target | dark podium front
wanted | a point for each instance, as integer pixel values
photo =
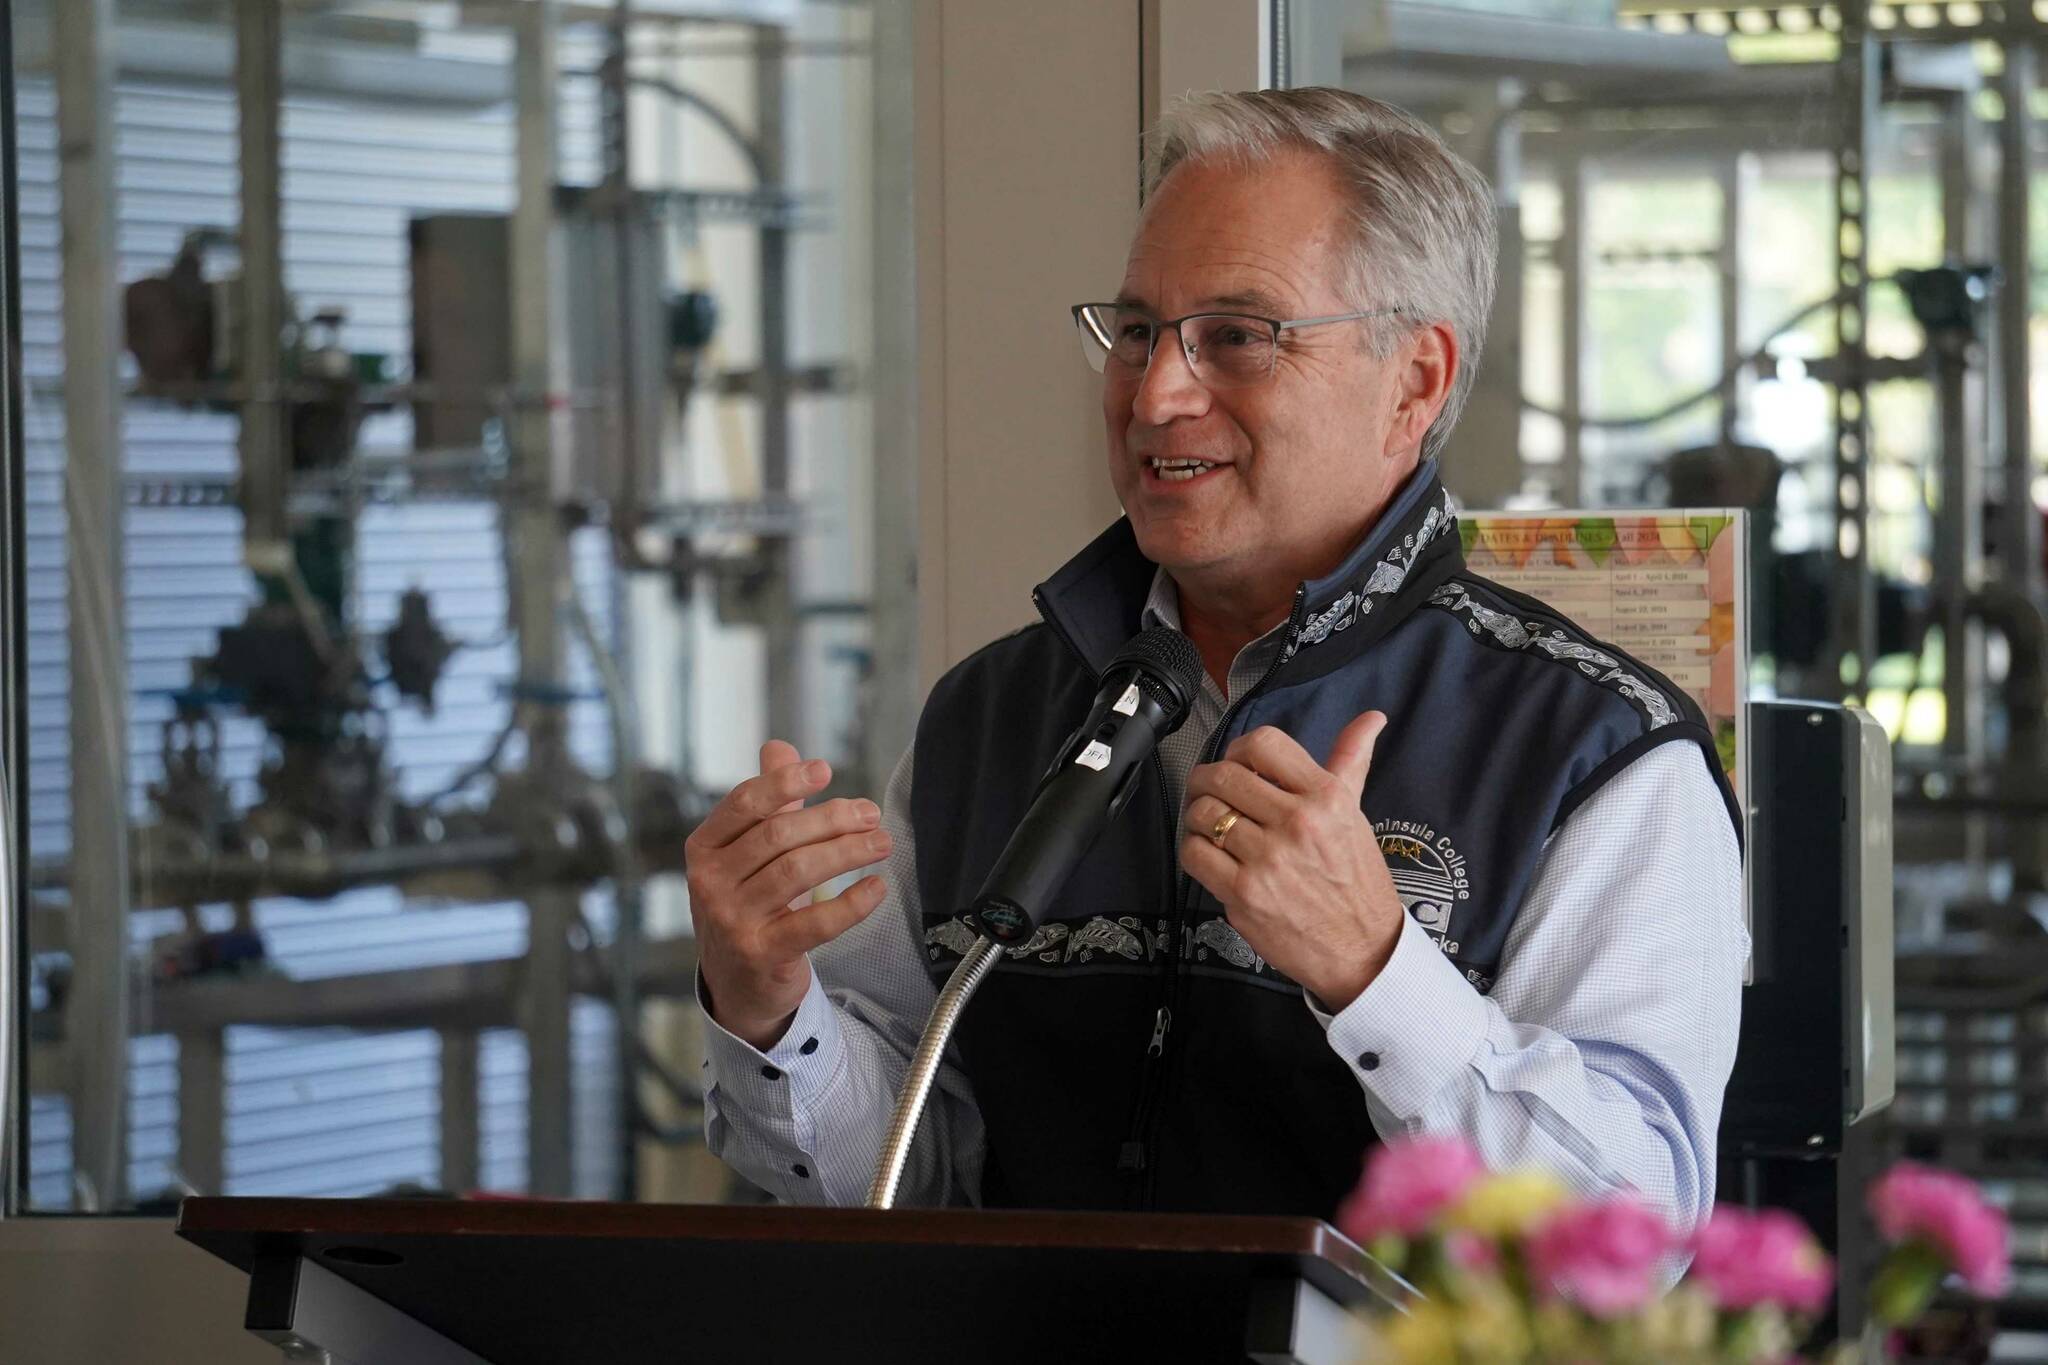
(449, 1282)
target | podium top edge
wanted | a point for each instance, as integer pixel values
(218, 1223)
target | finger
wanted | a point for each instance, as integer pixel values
(798, 871)
(757, 798)
(793, 827)
(1243, 841)
(1242, 789)
(816, 925)
(780, 753)
(1276, 756)
(1351, 756)
(1211, 866)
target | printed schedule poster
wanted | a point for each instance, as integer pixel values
(1664, 587)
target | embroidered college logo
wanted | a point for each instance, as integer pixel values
(1429, 875)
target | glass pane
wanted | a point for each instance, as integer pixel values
(1680, 189)
(378, 681)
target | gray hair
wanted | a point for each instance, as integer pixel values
(1425, 238)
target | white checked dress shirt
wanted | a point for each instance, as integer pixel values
(1601, 1053)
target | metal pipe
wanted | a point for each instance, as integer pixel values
(231, 876)
(1853, 605)
(716, 116)
(924, 1069)
(784, 655)
(544, 1007)
(1958, 540)
(1279, 45)
(537, 562)
(627, 504)
(13, 678)
(639, 405)
(1959, 524)
(178, 879)
(96, 1016)
(1997, 802)
(13, 999)
(537, 570)
(1734, 174)
(2019, 534)
(1571, 264)
(202, 1110)
(259, 99)
(629, 880)
(461, 1145)
(2017, 616)
(315, 876)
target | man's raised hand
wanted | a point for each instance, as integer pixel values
(1299, 871)
(752, 866)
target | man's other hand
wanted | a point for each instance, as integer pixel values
(1300, 872)
(752, 866)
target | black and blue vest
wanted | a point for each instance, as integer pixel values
(1503, 719)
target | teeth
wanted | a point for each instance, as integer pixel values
(1179, 471)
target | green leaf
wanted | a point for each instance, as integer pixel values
(1597, 537)
(1704, 529)
(1906, 1282)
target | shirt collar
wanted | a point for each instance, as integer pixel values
(1100, 595)
(1162, 608)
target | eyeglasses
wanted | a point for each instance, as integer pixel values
(1223, 350)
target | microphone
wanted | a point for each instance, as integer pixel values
(1144, 696)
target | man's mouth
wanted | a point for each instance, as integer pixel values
(1179, 470)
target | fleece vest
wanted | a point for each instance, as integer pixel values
(1136, 1052)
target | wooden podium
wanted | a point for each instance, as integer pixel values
(454, 1282)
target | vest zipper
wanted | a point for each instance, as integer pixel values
(1132, 1156)
(1161, 1022)
(1161, 1069)
(1139, 1154)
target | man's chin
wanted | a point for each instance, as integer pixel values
(1179, 548)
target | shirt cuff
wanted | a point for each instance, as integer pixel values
(1410, 1032)
(793, 1071)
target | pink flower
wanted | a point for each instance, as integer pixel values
(1470, 1251)
(1406, 1184)
(1745, 1259)
(1602, 1256)
(1915, 1202)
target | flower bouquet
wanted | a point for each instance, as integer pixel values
(1512, 1268)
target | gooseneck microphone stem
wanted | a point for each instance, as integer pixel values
(924, 1068)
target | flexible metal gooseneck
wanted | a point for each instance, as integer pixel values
(924, 1068)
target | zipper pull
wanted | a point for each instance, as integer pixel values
(1160, 1024)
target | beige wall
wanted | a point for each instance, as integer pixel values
(1028, 180)
(1195, 45)
(1030, 120)
(118, 1291)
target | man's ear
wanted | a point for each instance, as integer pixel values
(1428, 362)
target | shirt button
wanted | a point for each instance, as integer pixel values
(810, 1046)
(771, 1073)
(1368, 1061)
(803, 1172)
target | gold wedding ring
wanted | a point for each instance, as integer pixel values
(1223, 826)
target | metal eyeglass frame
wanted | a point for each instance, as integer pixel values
(1160, 325)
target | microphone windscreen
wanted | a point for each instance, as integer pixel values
(1166, 656)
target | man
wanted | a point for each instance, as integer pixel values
(1246, 983)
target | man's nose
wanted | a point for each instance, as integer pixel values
(1168, 387)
